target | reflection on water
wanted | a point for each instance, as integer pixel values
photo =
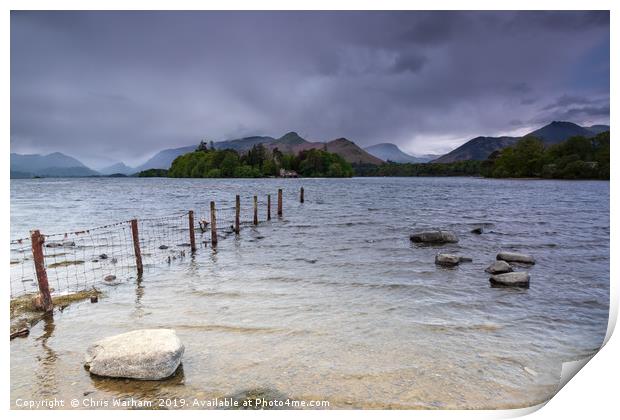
(333, 302)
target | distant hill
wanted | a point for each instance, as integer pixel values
(427, 158)
(391, 152)
(480, 148)
(351, 152)
(292, 143)
(558, 131)
(598, 129)
(163, 159)
(117, 168)
(243, 144)
(52, 165)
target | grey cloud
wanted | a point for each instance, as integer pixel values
(566, 100)
(123, 85)
(409, 63)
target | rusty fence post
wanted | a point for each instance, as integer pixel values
(301, 195)
(237, 213)
(37, 240)
(136, 246)
(255, 210)
(268, 206)
(192, 234)
(213, 225)
(280, 202)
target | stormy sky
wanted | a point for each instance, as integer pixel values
(111, 86)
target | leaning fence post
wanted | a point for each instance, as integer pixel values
(192, 236)
(268, 206)
(37, 240)
(237, 213)
(213, 225)
(255, 210)
(301, 195)
(280, 202)
(136, 245)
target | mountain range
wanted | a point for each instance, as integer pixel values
(53, 165)
(480, 148)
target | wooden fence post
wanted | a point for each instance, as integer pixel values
(37, 240)
(268, 206)
(280, 202)
(301, 195)
(255, 210)
(192, 236)
(237, 213)
(136, 246)
(213, 225)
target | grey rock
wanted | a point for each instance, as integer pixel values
(447, 260)
(434, 237)
(141, 354)
(103, 256)
(516, 279)
(499, 267)
(477, 231)
(163, 247)
(516, 257)
(109, 277)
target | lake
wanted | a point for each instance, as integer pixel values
(332, 301)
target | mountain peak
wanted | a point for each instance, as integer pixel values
(291, 138)
(558, 131)
(341, 140)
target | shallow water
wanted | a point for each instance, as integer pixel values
(332, 301)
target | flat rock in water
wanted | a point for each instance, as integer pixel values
(142, 354)
(447, 260)
(499, 267)
(517, 279)
(516, 257)
(434, 237)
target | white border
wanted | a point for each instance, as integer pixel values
(593, 393)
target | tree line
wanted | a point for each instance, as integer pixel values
(259, 161)
(575, 158)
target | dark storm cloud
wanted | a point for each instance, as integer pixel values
(122, 85)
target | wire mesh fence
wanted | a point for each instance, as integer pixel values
(79, 260)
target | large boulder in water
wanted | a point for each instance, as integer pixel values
(499, 267)
(434, 237)
(517, 279)
(516, 257)
(141, 354)
(447, 260)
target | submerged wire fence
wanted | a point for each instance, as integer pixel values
(76, 261)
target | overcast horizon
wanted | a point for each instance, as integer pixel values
(120, 86)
